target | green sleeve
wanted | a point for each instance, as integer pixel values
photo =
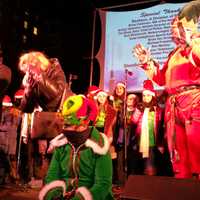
(54, 168)
(103, 177)
(101, 189)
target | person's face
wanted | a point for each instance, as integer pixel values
(119, 90)
(180, 35)
(130, 100)
(147, 98)
(101, 98)
(17, 102)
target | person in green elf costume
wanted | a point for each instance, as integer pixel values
(81, 166)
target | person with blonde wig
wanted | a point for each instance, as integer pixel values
(44, 83)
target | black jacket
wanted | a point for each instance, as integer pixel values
(47, 92)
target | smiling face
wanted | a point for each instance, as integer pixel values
(131, 100)
(120, 90)
(102, 97)
(147, 98)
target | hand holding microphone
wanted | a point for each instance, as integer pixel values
(32, 76)
(35, 72)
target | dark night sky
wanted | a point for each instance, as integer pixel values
(65, 31)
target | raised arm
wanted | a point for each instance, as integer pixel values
(148, 64)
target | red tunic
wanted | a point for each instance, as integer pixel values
(181, 77)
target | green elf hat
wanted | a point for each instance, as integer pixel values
(78, 110)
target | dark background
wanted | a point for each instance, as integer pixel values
(65, 30)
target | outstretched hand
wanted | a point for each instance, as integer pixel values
(141, 53)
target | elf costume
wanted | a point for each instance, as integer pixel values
(106, 115)
(81, 166)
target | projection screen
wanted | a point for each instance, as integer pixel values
(121, 31)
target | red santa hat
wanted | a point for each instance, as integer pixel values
(121, 84)
(93, 89)
(19, 94)
(131, 95)
(7, 101)
(148, 88)
(101, 92)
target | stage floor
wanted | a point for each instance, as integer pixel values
(14, 192)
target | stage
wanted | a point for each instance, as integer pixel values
(137, 187)
(24, 192)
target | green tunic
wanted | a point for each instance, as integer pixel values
(88, 169)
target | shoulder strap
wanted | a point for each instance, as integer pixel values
(66, 93)
(63, 98)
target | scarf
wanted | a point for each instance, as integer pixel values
(144, 138)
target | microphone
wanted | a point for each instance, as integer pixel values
(127, 71)
(130, 65)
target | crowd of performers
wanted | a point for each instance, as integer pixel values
(106, 135)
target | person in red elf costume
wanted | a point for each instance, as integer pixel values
(181, 77)
(106, 115)
(106, 119)
(91, 94)
(92, 91)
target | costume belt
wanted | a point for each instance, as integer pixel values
(178, 90)
(172, 102)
